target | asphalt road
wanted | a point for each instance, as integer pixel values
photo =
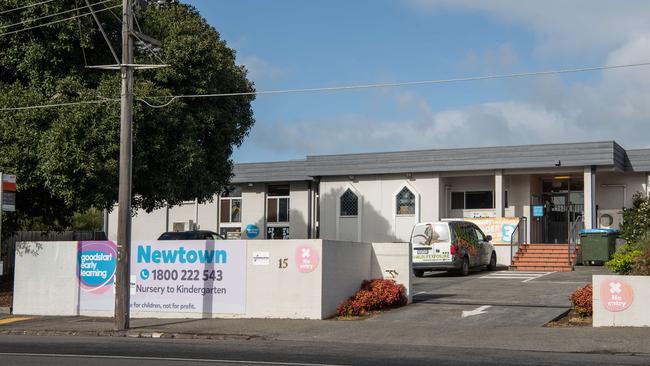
(492, 299)
(101, 351)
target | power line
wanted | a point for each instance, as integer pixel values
(22, 22)
(26, 6)
(344, 87)
(408, 83)
(145, 43)
(56, 21)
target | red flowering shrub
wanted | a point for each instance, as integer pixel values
(582, 301)
(374, 295)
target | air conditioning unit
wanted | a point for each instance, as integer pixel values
(610, 219)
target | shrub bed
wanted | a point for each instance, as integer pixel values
(582, 301)
(634, 257)
(376, 294)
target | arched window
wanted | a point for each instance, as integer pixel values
(349, 204)
(405, 202)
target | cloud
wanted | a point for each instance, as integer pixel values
(560, 25)
(616, 107)
(260, 69)
(503, 57)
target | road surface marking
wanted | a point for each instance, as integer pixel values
(478, 311)
(537, 277)
(14, 319)
(173, 359)
(510, 275)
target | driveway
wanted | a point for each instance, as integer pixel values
(492, 299)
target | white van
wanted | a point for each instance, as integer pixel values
(453, 245)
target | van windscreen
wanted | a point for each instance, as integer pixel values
(427, 234)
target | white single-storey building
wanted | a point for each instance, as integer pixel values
(377, 197)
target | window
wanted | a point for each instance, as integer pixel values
(465, 234)
(479, 199)
(457, 200)
(427, 234)
(230, 208)
(405, 202)
(479, 234)
(472, 200)
(349, 204)
(277, 204)
(277, 232)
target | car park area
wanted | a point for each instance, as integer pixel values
(491, 299)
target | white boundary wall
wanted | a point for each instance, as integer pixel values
(621, 301)
(46, 280)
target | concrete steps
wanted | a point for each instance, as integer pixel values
(543, 257)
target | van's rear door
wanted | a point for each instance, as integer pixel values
(431, 243)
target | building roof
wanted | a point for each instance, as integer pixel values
(607, 154)
(638, 160)
(282, 171)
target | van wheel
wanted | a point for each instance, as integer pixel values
(493, 262)
(418, 272)
(464, 268)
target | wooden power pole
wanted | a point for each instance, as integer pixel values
(122, 275)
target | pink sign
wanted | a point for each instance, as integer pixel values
(616, 295)
(306, 258)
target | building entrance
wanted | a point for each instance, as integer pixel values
(563, 200)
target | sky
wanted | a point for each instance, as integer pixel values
(287, 44)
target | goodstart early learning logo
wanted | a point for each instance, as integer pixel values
(96, 270)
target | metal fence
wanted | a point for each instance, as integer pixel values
(8, 248)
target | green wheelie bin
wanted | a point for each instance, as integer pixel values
(597, 245)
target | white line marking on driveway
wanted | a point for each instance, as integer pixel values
(478, 311)
(525, 276)
(540, 276)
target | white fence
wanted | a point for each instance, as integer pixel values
(296, 279)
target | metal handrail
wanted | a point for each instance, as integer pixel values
(574, 239)
(516, 238)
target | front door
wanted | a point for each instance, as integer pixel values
(563, 202)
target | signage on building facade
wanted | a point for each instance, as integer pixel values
(96, 273)
(196, 276)
(500, 228)
(538, 210)
(252, 231)
(616, 295)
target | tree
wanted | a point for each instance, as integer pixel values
(66, 158)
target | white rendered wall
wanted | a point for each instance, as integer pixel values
(378, 220)
(345, 266)
(274, 292)
(299, 210)
(151, 225)
(45, 278)
(393, 261)
(637, 289)
(628, 183)
(253, 208)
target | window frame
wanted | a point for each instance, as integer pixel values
(277, 210)
(464, 192)
(341, 203)
(230, 205)
(415, 202)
